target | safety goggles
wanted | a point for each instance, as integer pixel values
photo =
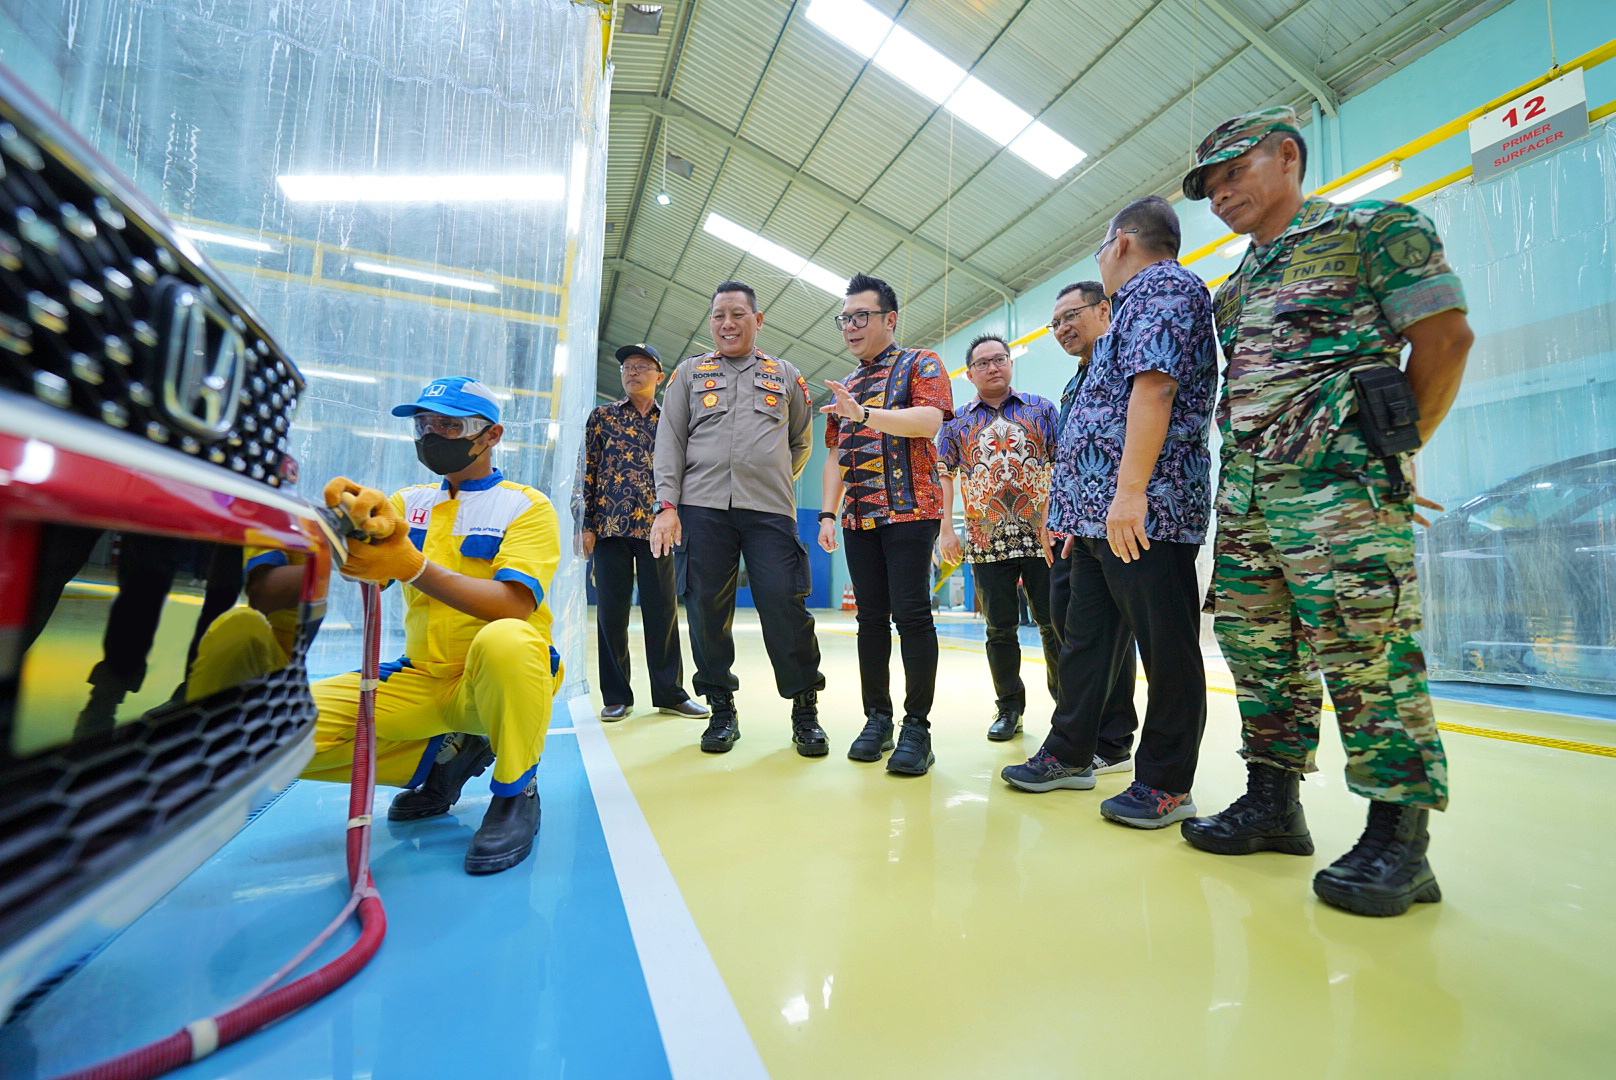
(449, 427)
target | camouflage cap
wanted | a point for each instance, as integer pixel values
(1234, 137)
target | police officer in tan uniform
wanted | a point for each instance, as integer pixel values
(732, 440)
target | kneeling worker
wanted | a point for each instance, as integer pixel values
(474, 555)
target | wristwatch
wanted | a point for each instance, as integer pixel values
(827, 515)
(665, 505)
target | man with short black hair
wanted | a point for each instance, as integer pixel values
(732, 440)
(617, 501)
(1132, 494)
(1082, 314)
(879, 430)
(999, 449)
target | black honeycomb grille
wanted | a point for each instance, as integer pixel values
(73, 816)
(92, 319)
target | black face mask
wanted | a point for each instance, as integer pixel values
(444, 456)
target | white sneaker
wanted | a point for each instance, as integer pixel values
(1103, 765)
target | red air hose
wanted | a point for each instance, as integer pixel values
(201, 1037)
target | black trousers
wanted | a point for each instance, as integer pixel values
(777, 565)
(891, 572)
(996, 589)
(618, 561)
(1154, 599)
(687, 597)
(1119, 719)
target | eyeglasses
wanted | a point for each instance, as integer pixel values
(1002, 360)
(858, 320)
(640, 369)
(1070, 315)
(1108, 240)
(449, 427)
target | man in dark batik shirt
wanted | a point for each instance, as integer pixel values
(618, 504)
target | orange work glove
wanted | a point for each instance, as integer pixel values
(389, 555)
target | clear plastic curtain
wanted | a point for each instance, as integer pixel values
(207, 107)
(1519, 574)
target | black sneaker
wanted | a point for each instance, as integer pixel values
(806, 733)
(460, 757)
(724, 729)
(874, 740)
(913, 755)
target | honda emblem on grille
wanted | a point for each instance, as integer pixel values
(204, 360)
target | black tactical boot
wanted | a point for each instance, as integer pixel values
(724, 727)
(805, 729)
(1006, 725)
(913, 755)
(1386, 872)
(507, 832)
(1268, 817)
(874, 740)
(460, 757)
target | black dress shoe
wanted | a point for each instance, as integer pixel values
(507, 832)
(724, 729)
(614, 712)
(687, 708)
(1006, 725)
(460, 758)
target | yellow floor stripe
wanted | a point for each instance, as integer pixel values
(1457, 729)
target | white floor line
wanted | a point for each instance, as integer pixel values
(562, 731)
(702, 1031)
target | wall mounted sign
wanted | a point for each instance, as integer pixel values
(1536, 123)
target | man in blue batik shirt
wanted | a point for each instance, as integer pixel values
(1132, 491)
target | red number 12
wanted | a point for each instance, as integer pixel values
(1534, 109)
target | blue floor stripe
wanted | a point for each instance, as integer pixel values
(531, 972)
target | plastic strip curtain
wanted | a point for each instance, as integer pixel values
(207, 107)
(1519, 574)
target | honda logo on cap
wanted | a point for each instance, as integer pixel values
(204, 360)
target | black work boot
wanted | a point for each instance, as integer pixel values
(460, 757)
(723, 727)
(1006, 725)
(506, 834)
(874, 740)
(913, 755)
(1386, 872)
(1268, 817)
(805, 729)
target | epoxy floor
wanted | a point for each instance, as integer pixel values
(761, 914)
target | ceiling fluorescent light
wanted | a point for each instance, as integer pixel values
(418, 275)
(770, 252)
(1374, 181)
(339, 376)
(527, 187)
(1043, 149)
(856, 25)
(919, 66)
(1235, 247)
(209, 237)
(851, 23)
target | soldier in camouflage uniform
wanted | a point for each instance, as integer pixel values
(1314, 557)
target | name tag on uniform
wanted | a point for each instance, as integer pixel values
(1328, 256)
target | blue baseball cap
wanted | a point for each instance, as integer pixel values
(455, 395)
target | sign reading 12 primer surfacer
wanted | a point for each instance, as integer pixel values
(1536, 123)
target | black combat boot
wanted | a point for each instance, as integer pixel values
(460, 757)
(1006, 725)
(1386, 872)
(874, 740)
(724, 727)
(1268, 817)
(805, 729)
(506, 834)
